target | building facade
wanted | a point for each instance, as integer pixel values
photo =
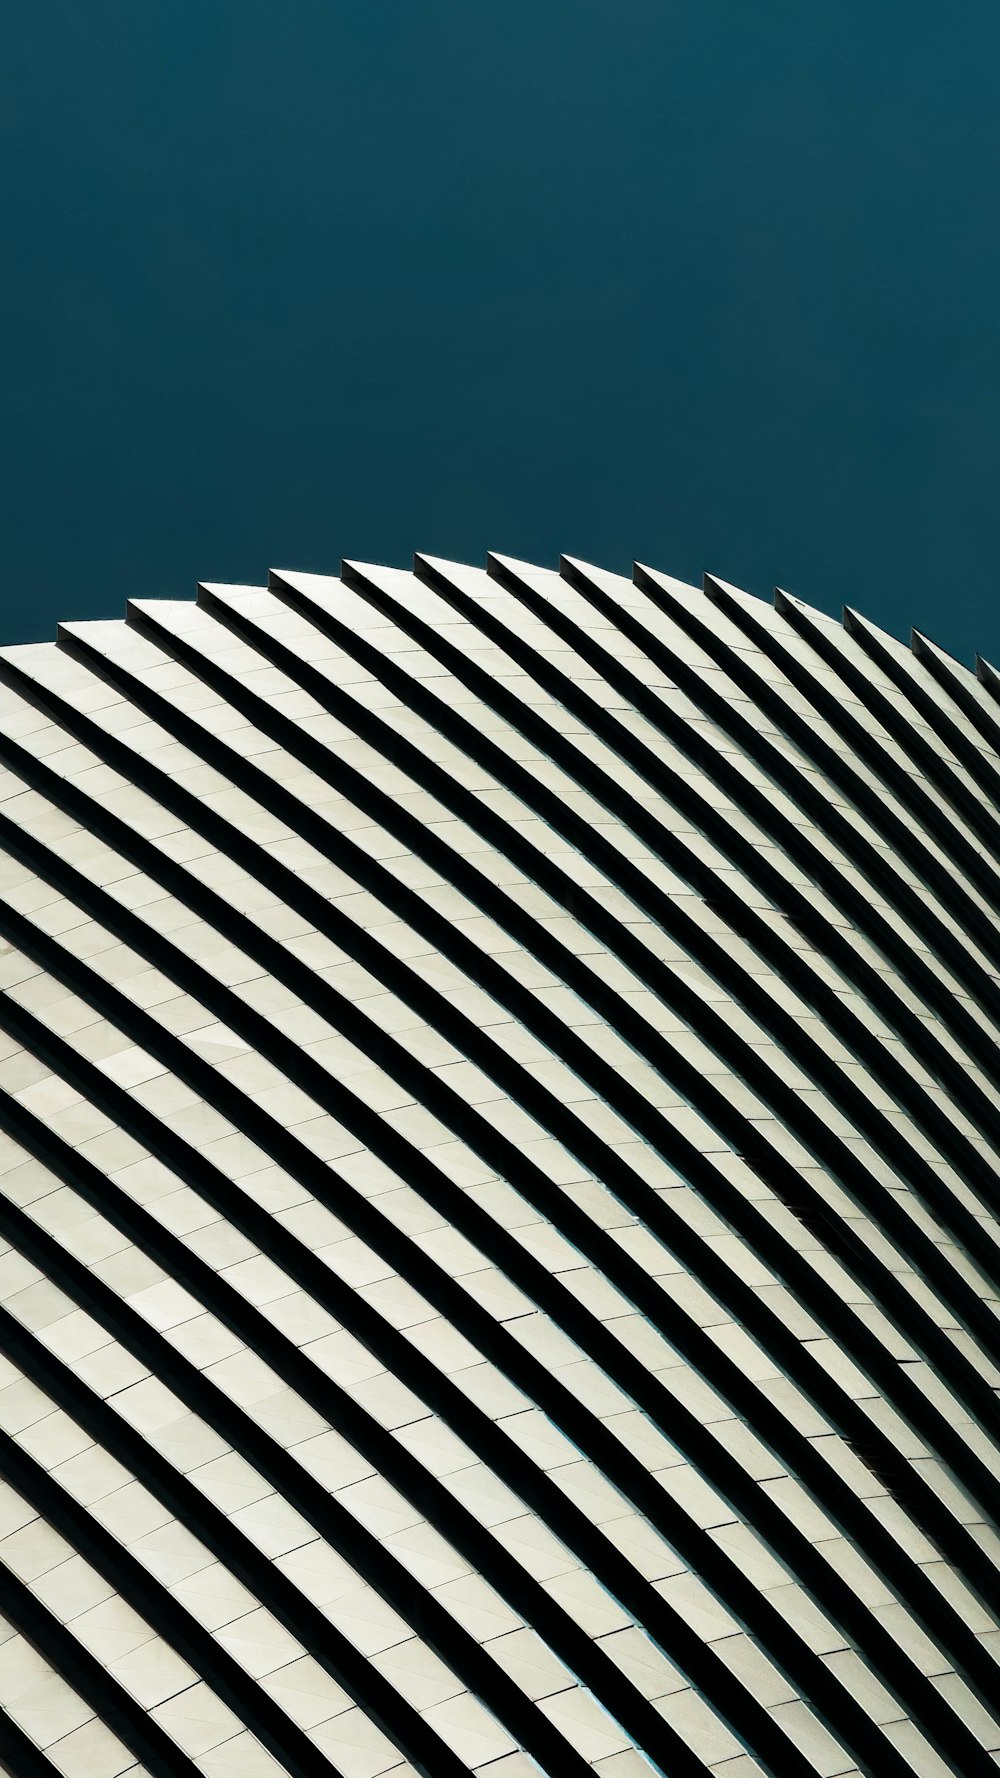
(499, 1178)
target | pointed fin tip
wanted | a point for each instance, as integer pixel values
(515, 562)
(787, 605)
(925, 648)
(426, 555)
(646, 577)
(502, 567)
(657, 585)
(575, 571)
(224, 586)
(437, 573)
(364, 569)
(716, 580)
(878, 643)
(142, 603)
(432, 572)
(510, 571)
(362, 566)
(725, 591)
(353, 575)
(496, 568)
(579, 568)
(354, 564)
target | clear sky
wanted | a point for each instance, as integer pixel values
(712, 283)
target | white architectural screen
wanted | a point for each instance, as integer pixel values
(499, 1178)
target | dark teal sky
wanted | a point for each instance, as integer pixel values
(713, 283)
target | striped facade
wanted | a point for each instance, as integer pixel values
(498, 1187)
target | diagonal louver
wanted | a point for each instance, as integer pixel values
(499, 1147)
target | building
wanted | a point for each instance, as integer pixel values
(499, 1106)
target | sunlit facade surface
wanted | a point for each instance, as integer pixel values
(498, 1186)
